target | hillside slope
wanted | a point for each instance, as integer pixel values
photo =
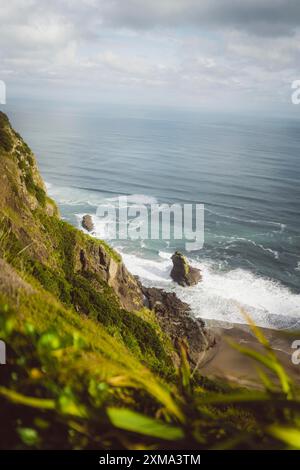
(88, 365)
(81, 272)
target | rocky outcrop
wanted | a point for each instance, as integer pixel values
(182, 272)
(94, 258)
(68, 262)
(87, 223)
(176, 320)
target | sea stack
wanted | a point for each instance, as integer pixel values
(87, 223)
(182, 272)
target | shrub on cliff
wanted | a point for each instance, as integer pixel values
(6, 142)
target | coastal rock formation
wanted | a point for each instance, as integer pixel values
(176, 320)
(87, 223)
(80, 272)
(101, 260)
(182, 272)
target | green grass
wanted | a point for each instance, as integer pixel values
(68, 364)
(33, 188)
(70, 384)
(6, 142)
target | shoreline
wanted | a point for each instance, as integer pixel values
(217, 358)
(228, 363)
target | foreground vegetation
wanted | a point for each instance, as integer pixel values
(69, 384)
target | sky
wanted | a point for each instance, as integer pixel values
(217, 54)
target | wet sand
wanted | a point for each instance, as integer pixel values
(228, 363)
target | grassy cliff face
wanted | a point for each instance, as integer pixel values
(71, 314)
(87, 365)
(84, 274)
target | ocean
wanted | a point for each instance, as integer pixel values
(244, 169)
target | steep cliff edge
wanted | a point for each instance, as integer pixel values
(72, 317)
(82, 272)
(34, 225)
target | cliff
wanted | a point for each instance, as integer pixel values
(34, 226)
(94, 359)
(82, 272)
(71, 314)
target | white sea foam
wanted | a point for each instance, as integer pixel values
(136, 199)
(73, 196)
(221, 295)
(151, 271)
(271, 223)
(231, 241)
(76, 196)
(102, 228)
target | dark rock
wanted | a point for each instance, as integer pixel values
(87, 223)
(182, 272)
(176, 320)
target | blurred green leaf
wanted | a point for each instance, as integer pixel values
(135, 422)
(256, 330)
(49, 341)
(288, 435)
(163, 395)
(78, 340)
(18, 398)
(265, 379)
(29, 328)
(185, 370)
(278, 369)
(28, 436)
(7, 325)
(269, 362)
(67, 404)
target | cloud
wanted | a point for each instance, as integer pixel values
(175, 50)
(266, 17)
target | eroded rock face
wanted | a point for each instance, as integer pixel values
(95, 259)
(87, 223)
(182, 272)
(177, 322)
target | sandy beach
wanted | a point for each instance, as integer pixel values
(226, 362)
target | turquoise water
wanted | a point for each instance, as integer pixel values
(246, 171)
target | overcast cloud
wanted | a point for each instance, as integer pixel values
(201, 53)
